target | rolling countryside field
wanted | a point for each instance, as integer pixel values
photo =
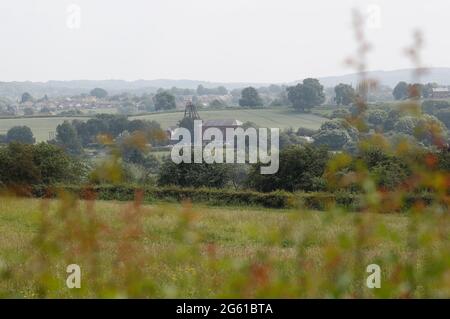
(40, 126)
(281, 118)
(178, 250)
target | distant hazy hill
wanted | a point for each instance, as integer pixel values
(391, 78)
(65, 88)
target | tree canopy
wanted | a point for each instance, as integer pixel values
(301, 168)
(26, 97)
(401, 91)
(99, 93)
(38, 164)
(345, 94)
(20, 134)
(164, 101)
(250, 97)
(306, 95)
(67, 137)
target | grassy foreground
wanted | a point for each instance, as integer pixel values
(173, 250)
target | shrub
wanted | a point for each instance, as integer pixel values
(278, 199)
(38, 164)
(300, 169)
(336, 134)
(377, 117)
(193, 174)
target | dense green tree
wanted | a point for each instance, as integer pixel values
(164, 101)
(426, 129)
(344, 94)
(43, 163)
(56, 166)
(250, 97)
(114, 125)
(301, 168)
(20, 134)
(26, 97)
(388, 171)
(67, 137)
(133, 147)
(392, 118)
(99, 93)
(401, 91)
(337, 134)
(377, 117)
(193, 174)
(17, 165)
(89, 130)
(306, 95)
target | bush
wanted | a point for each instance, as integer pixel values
(193, 174)
(377, 117)
(277, 199)
(43, 163)
(336, 134)
(301, 168)
(426, 129)
(340, 114)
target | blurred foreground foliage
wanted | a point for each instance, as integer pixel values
(188, 251)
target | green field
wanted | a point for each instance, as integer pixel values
(172, 250)
(276, 118)
(281, 118)
(41, 127)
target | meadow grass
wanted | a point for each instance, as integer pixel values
(184, 251)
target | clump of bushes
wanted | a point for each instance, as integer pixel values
(277, 199)
(43, 163)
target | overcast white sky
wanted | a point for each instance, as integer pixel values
(214, 40)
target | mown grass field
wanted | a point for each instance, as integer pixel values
(173, 250)
(276, 118)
